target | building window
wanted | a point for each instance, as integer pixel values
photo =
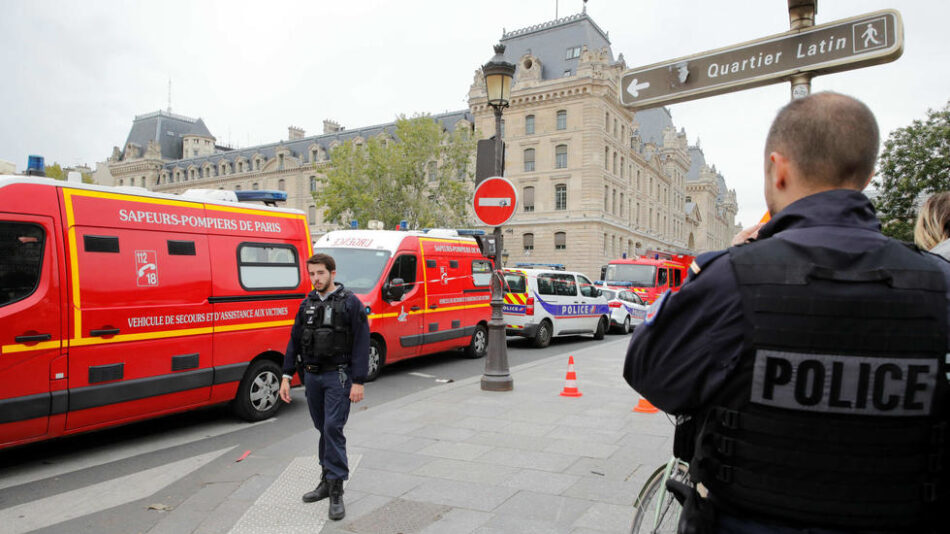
(527, 241)
(573, 52)
(606, 193)
(606, 158)
(606, 120)
(529, 160)
(313, 184)
(562, 119)
(121, 182)
(280, 162)
(621, 204)
(614, 201)
(560, 197)
(560, 157)
(615, 163)
(567, 72)
(529, 125)
(237, 188)
(313, 155)
(254, 186)
(560, 240)
(312, 214)
(528, 196)
(281, 185)
(605, 243)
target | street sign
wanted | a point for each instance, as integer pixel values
(494, 201)
(846, 44)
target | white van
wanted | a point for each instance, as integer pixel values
(542, 303)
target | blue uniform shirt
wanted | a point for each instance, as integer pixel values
(684, 355)
(359, 359)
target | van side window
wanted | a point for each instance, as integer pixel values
(21, 260)
(677, 277)
(661, 278)
(587, 288)
(481, 272)
(516, 283)
(404, 267)
(565, 285)
(268, 266)
(546, 284)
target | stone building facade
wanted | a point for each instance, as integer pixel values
(595, 181)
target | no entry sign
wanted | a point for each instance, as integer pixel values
(494, 201)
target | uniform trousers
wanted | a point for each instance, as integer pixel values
(328, 397)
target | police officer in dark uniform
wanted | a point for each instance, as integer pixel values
(811, 361)
(329, 346)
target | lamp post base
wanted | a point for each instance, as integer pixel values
(497, 383)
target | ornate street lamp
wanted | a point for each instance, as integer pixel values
(498, 74)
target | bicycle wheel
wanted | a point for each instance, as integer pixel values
(658, 512)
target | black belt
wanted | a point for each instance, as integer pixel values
(316, 368)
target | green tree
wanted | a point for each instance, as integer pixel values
(421, 176)
(914, 164)
(55, 171)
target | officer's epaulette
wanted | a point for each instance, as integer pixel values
(703, 260)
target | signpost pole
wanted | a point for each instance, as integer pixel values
(801, 14)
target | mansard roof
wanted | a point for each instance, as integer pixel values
(549, 42)
(697, 161)
(651, 123)
(166, 128)
(299, 147)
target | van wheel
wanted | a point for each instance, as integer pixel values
(377, 358)
(601, 328)
(479, 344)
(542, 338)
(257, 396)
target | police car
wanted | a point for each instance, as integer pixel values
(542, 303)
(627, 309)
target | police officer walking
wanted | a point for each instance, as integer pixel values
(811, 360)
(329, 346)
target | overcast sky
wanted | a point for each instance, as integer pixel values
(74, 74)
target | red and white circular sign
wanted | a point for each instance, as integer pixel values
(495, 201)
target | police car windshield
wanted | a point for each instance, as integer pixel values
(637, 275)
(357, 269)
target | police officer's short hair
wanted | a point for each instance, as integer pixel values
(832, 139)
(323, 259)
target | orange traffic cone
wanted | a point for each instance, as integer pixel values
(644, 406)
(570, 383)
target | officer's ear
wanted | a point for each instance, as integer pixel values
(780, 171)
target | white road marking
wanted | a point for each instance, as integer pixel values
(42, 513)
(31, 472)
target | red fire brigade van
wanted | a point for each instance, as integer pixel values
(648, 276)
(424, 292)
(117, 306)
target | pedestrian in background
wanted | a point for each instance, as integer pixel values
(329, 343)
(810, 360)
(932, 231)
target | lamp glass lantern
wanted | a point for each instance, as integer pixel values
(498, 74)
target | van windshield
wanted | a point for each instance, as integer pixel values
(637, 275)
(357, 269)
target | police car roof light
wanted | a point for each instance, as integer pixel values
(555, 266)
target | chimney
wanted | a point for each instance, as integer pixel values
(331, 126)
(294, 132)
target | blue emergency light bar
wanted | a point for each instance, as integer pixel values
(459, 231)
(269, 197)
(555, 266)
(35, 166)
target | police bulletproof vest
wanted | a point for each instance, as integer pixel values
(836, 414)
(326, 336)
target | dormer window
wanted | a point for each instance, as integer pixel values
(573, 52)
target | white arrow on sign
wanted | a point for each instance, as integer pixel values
(634, 87)
(496, 201)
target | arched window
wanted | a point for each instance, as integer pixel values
(560, 157)
(562, 119)
(528, 196)
(529, 160)
(529, 125)
(527, 241)
(313, 184)
(281, 185)
(560, 197)
(312, 215)
(254, 186)
(560, 240)
(606, 158)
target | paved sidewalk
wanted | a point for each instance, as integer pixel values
(456, 459)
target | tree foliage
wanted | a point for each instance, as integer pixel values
(56, 172)
(914, 164)
(421, 176)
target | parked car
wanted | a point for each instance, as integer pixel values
(627, 309)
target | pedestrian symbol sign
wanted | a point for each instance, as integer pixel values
(869, 35)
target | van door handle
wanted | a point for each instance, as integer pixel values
(28, 339)
(433, 306)
(415, 308)
(104, 332)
